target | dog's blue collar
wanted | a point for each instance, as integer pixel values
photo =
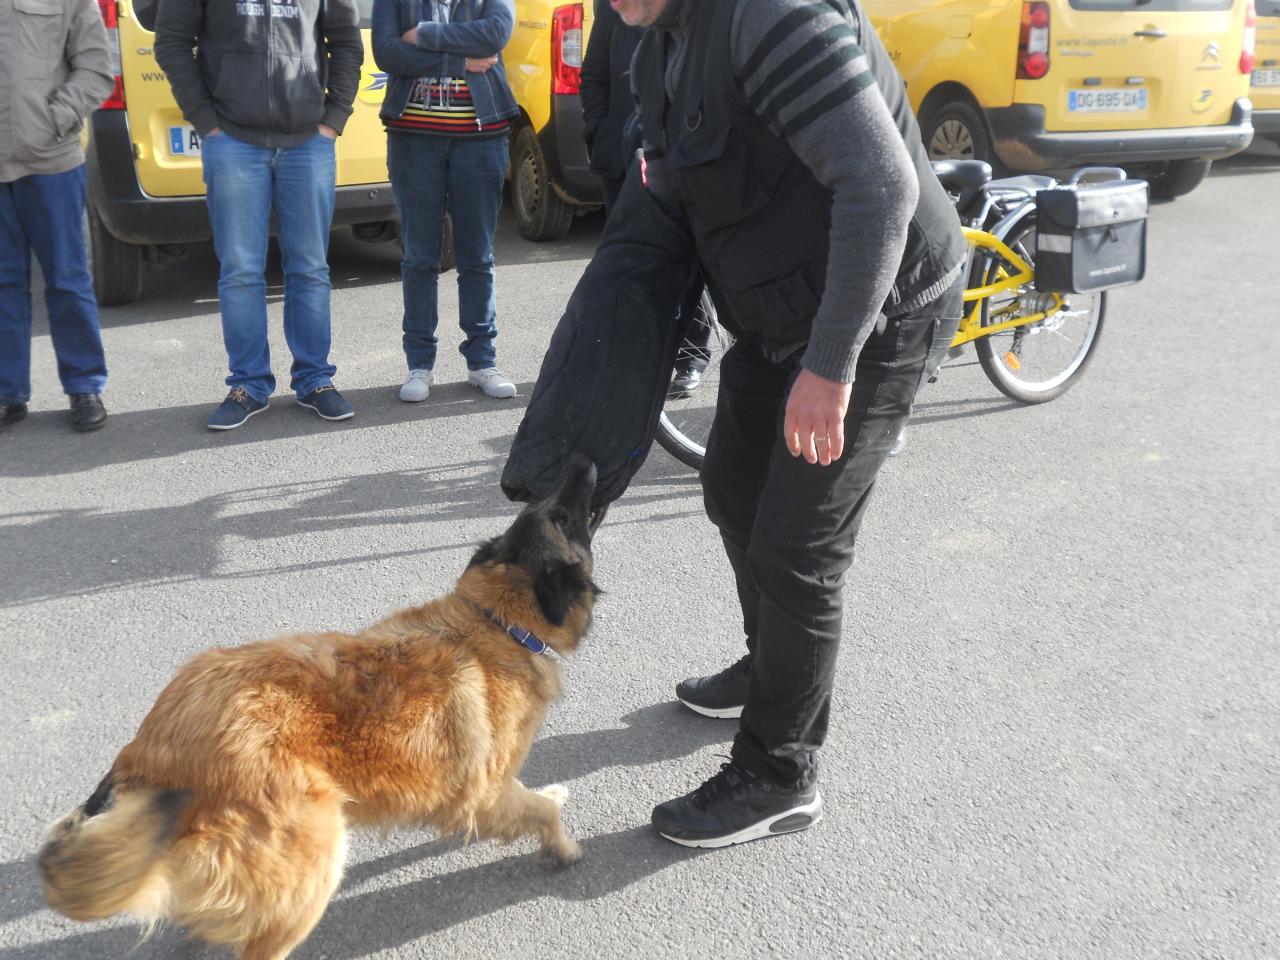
(523, 637)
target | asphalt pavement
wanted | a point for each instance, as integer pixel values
(1055, 730)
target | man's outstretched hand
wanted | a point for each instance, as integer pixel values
(814, 425)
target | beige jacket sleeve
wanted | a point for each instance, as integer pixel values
(88, 54)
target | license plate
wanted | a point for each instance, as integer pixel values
(184, 141)
(1266, 78)
(1129, 100)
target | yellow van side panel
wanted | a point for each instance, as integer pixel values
(528, 60)
(973, 44)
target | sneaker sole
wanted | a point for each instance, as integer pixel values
(232, 426)
(719, 713)
(345, 416)
(496, 396)
(789, 821)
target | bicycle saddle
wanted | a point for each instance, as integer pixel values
(962, 174)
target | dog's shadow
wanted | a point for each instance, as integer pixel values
(663, 731)
(362, 924)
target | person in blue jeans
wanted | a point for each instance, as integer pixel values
(269, 92)
(56, 68)
(447, 110)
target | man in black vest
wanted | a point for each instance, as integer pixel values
(778, 132)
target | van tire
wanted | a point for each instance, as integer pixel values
(541, 213)
(1179, 178)
(957, 130)
(115, 266)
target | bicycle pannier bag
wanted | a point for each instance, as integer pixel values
(1091, 237)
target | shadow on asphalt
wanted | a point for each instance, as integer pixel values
(44, 444)
(117, 548)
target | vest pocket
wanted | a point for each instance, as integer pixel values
(782, 310)
(722, 187)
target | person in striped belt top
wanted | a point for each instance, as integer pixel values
(446, 111)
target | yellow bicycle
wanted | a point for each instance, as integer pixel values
(1032, 345)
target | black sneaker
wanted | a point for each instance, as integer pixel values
(329, 403)
(87, 412)
(734, 807)
(722, 694)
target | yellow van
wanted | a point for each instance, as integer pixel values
(145, 187)
(1264, 90)
(550, 181)
(1158, 86)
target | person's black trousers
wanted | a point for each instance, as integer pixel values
(789, 527)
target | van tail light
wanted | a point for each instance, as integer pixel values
(566, 49)
(109, 18)
(1248, 51)
(1033, 41)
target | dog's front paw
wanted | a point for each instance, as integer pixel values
(557, 793)
(564, 852)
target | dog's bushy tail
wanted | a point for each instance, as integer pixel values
(97, 860)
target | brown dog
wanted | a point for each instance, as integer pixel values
(227, 814)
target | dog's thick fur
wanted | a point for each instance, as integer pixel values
(227, 814)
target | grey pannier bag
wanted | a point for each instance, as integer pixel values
(1091, 237)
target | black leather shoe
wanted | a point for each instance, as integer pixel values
(87, 412)
(11, 413)
(734, 807)
(722, 694)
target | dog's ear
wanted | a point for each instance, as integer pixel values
(558, 589)
(486, 552)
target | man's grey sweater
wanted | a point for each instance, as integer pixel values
(800, 67)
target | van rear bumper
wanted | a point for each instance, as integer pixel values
(134, 216)
(1022, 142)
(1266, 122)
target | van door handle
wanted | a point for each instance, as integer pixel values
(1151, 33)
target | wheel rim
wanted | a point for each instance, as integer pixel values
(688, 419)
(1039, 358)
(951, 140)
(528, 187)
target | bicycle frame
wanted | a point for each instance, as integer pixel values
(971, 327)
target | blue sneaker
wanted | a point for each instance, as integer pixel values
(235, 410)
(329, 403)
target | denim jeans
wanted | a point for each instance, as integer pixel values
(245, 184)
(429, 175)
(789, 527)
(45, 213)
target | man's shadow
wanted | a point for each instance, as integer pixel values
(358, 925)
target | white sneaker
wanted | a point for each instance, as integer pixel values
(418, 387)
(492, 382)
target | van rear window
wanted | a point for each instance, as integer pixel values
(1181, 6)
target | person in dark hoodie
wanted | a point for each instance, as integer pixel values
(268, 85)
(783, 158)
(607, 105)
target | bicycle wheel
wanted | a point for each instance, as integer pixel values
(1041, 361)
(685, 422)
